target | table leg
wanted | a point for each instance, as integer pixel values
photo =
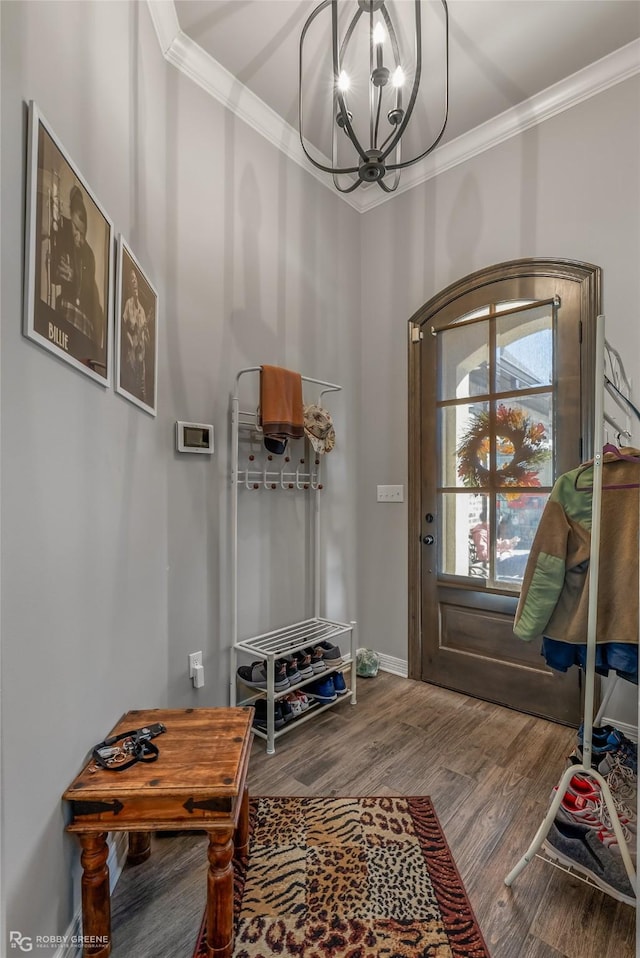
(139, 847)
(96, 903)
(220, 894)
(241, 837)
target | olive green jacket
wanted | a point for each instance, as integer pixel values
(555, 591)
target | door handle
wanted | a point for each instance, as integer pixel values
(428, 540)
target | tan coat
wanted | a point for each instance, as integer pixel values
(555, 591)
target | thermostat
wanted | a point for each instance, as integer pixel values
(194, 437)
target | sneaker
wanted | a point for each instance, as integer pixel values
(593, 814)
(622, 782)
(317, 659)
(604, 762)
(607, 740)
(588, 790)
(330, 653)
(303, 661)
(255, 675)
(606, 736)
(323, 690)
(291, 669)
(287, 708)
(339, 683)
(295, 706)
(302, 699)
(578, 847)
(260, 718)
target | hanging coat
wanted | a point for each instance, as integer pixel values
(555, 590)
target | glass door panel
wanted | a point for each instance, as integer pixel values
(496, 436)
(524, 351)
(466, 372)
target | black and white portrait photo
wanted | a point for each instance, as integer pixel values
(136, 332)
(69, 258)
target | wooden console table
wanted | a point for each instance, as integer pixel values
(197, 783)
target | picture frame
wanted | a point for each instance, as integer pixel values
(136, 341)
(69, 253)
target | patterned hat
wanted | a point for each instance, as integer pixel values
(318, 428)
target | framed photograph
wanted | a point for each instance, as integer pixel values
(136, 332)
(68, 258)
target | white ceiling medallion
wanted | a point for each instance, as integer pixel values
(196, 64)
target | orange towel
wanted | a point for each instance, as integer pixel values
(281, 412)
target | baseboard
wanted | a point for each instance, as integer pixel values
(389, 663)
(630, 731)
(71, 946)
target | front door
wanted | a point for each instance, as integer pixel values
(502, 413)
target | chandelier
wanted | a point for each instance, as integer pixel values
(374, 84)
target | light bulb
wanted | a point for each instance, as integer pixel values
(343, 82)
(398, 77)
(379, 33)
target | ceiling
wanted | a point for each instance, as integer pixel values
(502, 52)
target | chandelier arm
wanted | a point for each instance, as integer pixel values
(416, 81)
(338, 94)
(414, 91)
(375, 137)
(430, 149)
(387, 139)
(416, 159)
(390, 189)
(318, 165)
(393, 38)
(350, 189)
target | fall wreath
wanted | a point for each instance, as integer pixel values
(517, 437)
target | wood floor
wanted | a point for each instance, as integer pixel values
(489, 772)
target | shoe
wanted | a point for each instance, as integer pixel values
(302, 700)
(295, 707)
(578, 847)
(291, 669)
(303, 661)
(605, 735)
(317, 659)
(622, 782)
(260, 718)
(330, 653)
(606, 762)
(607, 740)
(287, 708)
(255, 675)
(323, 690)
(587, 790)
(593, 814)
(339, 683)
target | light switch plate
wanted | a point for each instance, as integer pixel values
(390, 493)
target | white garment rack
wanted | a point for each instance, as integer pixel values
(614, 372)
(265, 474)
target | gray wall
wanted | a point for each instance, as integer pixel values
(114, 548)
(568, 188)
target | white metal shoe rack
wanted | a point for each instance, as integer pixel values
(259, 471)
(609, 371)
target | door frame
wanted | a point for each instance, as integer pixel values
(519, 278)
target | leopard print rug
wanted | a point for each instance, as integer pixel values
(349, 878)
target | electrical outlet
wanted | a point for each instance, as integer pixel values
(195, 660)
(390, 493)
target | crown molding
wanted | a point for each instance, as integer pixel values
(196, 64)
(188, 57)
